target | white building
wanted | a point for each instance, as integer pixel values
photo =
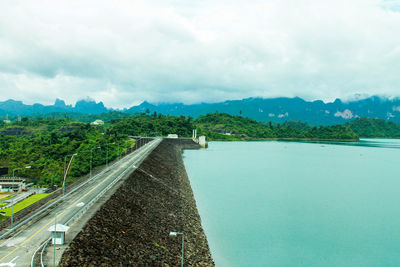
(12, 184)
(97, 122)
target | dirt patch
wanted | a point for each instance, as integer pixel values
(132, 228)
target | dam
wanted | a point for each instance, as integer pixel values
(132, 227)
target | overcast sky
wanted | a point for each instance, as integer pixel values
(124, 52)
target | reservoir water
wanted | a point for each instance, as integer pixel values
(299, 204)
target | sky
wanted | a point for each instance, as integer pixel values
(124, 52)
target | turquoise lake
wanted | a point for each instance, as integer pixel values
(299, 204)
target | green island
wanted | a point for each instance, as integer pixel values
(45, 142)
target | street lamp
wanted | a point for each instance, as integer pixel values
(66, 169)
(27, 167)
(183, 242)
(54, 238)
(12, 198)
(91, 159)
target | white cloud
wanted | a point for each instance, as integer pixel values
(346, 114)
(123, 52)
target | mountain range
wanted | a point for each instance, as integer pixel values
(88, 106)
(262, 109)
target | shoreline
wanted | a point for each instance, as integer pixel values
(288, 139)
(132, 228)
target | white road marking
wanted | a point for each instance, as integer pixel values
(11, 263)
(109, 177)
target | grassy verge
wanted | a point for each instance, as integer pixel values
(25, 203)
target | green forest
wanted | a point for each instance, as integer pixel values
(46, 142)
(222, 126)
(375, 128)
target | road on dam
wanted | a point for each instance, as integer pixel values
(18, 249)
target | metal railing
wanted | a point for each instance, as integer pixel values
(37, 250)
(82, 211)
(6, 234)
(43, 250)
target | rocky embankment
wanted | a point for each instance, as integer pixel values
(132, 228)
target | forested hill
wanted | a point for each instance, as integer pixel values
(374, 128)
(223, 126)
(43, 143)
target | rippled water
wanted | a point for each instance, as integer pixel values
(299, 204)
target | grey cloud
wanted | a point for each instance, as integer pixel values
(126, 52)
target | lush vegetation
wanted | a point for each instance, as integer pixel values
(52, 141)
(45, 142)
(367, 127)
(227, 127)
(153, 125)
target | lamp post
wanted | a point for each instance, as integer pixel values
(27, 167)
(13, 195)
(66, 169)
(183, 243)
(91, 159)
(54, 238)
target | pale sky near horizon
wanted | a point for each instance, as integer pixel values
(127, 51)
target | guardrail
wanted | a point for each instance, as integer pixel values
(43, 250)
(91, 202)
(99, 195)
(6, 234)
(81, 211)
(76, 216)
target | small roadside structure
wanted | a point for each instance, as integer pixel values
(97, 122)
(58, 234)
(172, 136)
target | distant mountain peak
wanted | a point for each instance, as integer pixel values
(59, 103)
(89, 106)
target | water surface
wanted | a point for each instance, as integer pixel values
(299, 204)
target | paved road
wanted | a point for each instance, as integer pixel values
(18, 250)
